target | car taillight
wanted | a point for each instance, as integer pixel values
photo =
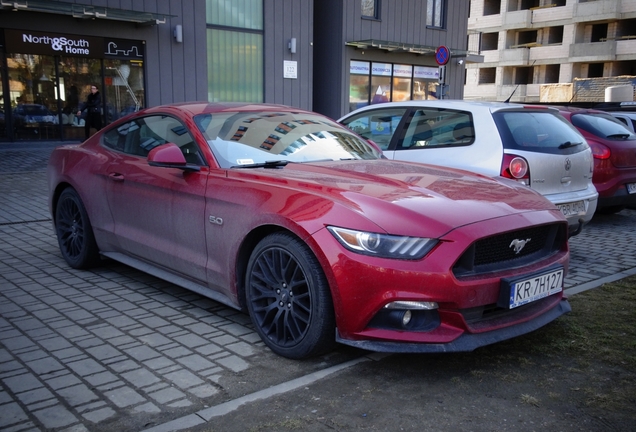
(599, 151)
(516, 168)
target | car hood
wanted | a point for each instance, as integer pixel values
(402, 197)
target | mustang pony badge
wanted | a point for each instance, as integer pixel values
(519, 244)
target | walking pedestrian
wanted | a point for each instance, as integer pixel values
(93, 108)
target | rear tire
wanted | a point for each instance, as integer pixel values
(74, 231)
(288, 298)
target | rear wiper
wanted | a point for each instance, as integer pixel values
(569, 144)
(619, 136)
(268, 164)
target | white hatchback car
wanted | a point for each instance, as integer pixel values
(531, 144)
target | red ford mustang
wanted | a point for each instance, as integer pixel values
(297, 220)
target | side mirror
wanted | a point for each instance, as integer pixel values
(169, 156)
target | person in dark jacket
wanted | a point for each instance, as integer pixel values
(93, 108)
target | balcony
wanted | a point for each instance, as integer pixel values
(516, 56)
(481, 92)
(517, 20)
(549, 54)
(483, 23)
(518, 92)
(593, 51)
(626, 48)
(491, 56)
(597, 10)
(552, 15)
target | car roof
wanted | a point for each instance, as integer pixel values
(577, 110)
(195, 108)
(631, 115)
(457, 104)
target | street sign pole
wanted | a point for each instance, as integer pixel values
(442, 57)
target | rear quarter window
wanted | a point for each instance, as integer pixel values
(438, 127)
(538, 131)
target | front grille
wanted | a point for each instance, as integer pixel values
(498, 252)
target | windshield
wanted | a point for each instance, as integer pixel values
(243, 139)
(603, 125)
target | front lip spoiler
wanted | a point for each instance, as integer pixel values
(467, 341)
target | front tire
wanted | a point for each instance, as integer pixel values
(74, 231)
(288, 298)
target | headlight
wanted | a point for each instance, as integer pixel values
(383, 245)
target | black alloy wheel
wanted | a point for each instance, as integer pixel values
(288, 298)
(74, 231)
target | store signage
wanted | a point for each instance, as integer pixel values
(381, 69)
(403, 71)
(33, 42)
(123, 48)
(45, 43)
(359, 67)
(426, 72)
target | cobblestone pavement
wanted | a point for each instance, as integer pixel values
(116, 349)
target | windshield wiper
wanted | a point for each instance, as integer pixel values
(268, 164)
(569, 144)
(619, 136)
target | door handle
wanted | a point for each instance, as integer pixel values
(116, 177)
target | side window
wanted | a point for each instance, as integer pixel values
(622, 120)
(377, 125)
(433, 127)
(141, 135)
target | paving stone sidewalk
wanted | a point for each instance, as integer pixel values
(116, 349)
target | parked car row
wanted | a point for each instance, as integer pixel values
(582, 169)
(532, 145)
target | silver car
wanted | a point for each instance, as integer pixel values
(627, 118)
(533, 145)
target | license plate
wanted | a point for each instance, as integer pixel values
(574, 208)
(519, 291)
(631, 188)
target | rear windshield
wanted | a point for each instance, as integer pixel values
(603, 125)
(539, 131)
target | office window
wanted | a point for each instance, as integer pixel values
(489, 41)
(487, 75)
(435, 13)
(492, 7)
(555, 35)
(599, 32)
(524, 75)
(370, 9)
(235, 50)
(245, 14)
(595, 70)
(552, 73)
(527, 37)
